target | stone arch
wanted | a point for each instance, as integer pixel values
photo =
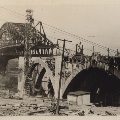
(77, 70)
(93, 78)
(42, 67)
(68, 81)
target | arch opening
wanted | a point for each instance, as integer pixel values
(40, 79)
(103, 86)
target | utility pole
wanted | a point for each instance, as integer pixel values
(57, 110)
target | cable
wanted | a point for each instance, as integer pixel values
(64, 31)
(71, 44)
(82, 39)
(72, 35)
(74, 44)
(11, 11)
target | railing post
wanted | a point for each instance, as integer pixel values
(82, 49)
(76, 48)
(117, 52)
(108, 52)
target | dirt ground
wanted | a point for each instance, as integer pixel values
(46, 107)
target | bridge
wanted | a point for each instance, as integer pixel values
(46, 63)
(85, 64)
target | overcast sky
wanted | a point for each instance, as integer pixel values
(95, 20)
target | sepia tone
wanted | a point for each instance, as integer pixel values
(59, 58)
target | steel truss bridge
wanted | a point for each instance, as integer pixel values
(12, 45)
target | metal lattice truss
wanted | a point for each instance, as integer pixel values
(14, 34)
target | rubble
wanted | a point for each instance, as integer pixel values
(32, 107)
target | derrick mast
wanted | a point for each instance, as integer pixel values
(27, 49)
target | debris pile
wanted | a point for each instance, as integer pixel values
(47, 107)
(22, 109)
(86, 112)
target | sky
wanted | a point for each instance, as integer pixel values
(95, 20)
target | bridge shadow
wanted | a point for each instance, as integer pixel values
(95, 80)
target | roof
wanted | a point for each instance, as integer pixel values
(78, 93)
